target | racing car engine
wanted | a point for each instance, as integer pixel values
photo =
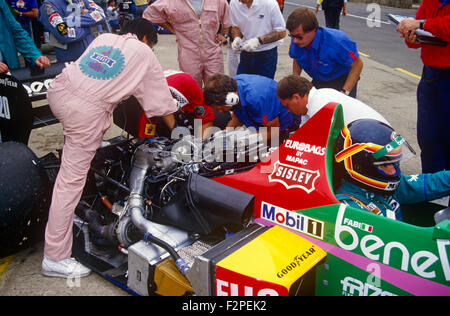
(168, 228)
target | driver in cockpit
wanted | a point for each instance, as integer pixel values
(368, 153)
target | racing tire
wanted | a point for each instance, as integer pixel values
(25, 198)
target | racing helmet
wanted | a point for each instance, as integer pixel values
(363, 147)
(179, 98)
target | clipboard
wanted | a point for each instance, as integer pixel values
(422, 36)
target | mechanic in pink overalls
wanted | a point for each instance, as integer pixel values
(83, 97)
(196, 24)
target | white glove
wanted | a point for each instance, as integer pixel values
(177, 104)
(251, 44)
(236, 45)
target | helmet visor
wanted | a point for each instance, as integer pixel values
(398, 150)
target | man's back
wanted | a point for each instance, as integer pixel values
(353, 108)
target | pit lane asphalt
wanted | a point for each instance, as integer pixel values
(390, 92)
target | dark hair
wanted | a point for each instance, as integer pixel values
(304, 17)
(217, 87)
(292, 84)
(141, 27)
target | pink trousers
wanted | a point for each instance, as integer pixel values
(84, 124)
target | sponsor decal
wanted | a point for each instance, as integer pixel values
(304, 147)
(150, 129)
(20, 4)
(230, 283)
(58, 23)
(36, 88)
(4, 108)
(265, 120)
(102, 62)
(354, 287)
(199, 111)
(359, 225)
(424, 263)
(96, 16)
(55, 19)
(71, 32)
(297, 160)
(294, 177)
(292, 220)
(8, 83)
(297, 261)
(62, 28)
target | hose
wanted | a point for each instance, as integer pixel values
(179, 262)
(156, 233)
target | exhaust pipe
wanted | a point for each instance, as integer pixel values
(167, 237)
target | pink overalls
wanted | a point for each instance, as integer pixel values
(198, 53)
(83, 98)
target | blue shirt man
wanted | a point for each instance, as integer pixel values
(254, 102)
(259, 102)
(25, 7)
(329, 56)
(70, 24)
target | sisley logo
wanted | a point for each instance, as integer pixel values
(294, 177)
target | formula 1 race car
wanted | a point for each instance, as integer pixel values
(226, 216)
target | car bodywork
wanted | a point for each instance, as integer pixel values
(295, 237)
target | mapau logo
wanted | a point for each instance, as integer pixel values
(294, 177)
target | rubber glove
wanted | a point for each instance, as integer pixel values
(251, 44)
(236, 45)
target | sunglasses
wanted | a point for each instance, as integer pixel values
(299, 37)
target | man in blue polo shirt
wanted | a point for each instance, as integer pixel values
(25, 10)
(252, 100)
(327, 55)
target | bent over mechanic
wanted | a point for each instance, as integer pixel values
(82, 97)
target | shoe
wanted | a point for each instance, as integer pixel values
(64, 268)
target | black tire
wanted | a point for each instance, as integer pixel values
(24, 201)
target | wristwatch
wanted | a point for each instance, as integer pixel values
(422, 22)
(346, 92)
(20, 13)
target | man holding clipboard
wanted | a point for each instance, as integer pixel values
(433, 92)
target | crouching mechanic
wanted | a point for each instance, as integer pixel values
(252, 100)
(369, 154)
(82, 97)
(189, 98)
